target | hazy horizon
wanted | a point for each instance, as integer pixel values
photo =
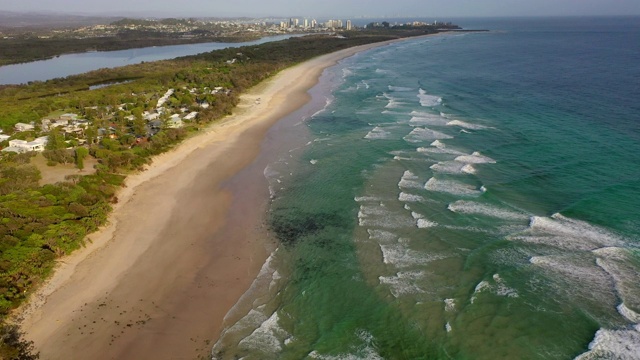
(330, 8)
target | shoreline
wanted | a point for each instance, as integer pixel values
(159, 279)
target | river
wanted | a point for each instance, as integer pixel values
(73, 64)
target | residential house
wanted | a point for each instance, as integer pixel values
(48, 124)
(150, 116)
(192, 115)
(68, 116)
(22, 146)
(164, 98)
(174, 121)
(24, 127)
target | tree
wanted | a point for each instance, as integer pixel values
(91, 133)
(81, 153)
(56, 140)
(14, 346)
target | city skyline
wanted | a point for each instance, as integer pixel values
(331, 8)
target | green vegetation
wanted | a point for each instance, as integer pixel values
(38, 224)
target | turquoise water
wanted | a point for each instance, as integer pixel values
(466, 196)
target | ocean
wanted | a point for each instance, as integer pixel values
(460, 196)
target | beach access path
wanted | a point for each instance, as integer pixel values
(157, 281)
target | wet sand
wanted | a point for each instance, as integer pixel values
(182, 246)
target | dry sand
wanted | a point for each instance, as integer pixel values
(157, 282)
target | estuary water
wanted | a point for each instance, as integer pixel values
(463, 196)
(73, 64)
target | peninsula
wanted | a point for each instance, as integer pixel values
(173, 252)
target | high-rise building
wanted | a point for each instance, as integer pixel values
(314, 23)
(349, 25)
(306, 23)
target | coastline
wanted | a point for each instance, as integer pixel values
(159, 279)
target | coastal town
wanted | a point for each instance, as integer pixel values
(77, 130)
(200, 28)
(22, 41)
(137, 121)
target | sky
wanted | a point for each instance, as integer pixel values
(329, 8)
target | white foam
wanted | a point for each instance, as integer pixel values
(428, 119)
(366, 198)
(424, 224)
(434, 150)
(578, 277)
(448, 167)
(313, 161)
(482, 286)
(423, 134)
(498, 287)
(393, 104)
(477, 208)
(624, 272)
(475, 158)
(404, 197)
(377, 133)
(401, 257)
(565, 233)
(447, 326)
(502, 289)
(466, 125)
(265, 338)
(371, 210)
(403, 283)
(469, 169)
(389, 112)
(409, 181)
(451, 187)
(614, 253)
(328, 101)
(416, 216)
(400, 88)
(439, 144)
(381, 236)
(628, 313)
(380, 217)
(449, 305)
(613, 344)
(366, 351)
(428, 100)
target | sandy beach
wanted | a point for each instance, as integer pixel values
(180, 247)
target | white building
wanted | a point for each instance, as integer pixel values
(68, 116)
(192, 115)
(174, 121)
(22, 146)
(23, 127)
(164, 98)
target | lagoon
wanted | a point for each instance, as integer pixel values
(73, 64)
